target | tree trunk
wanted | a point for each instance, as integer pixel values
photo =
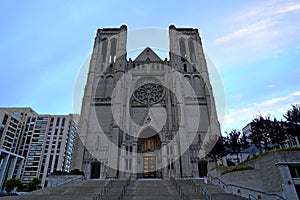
(238, 159)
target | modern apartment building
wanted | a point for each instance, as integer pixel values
(11, 123)
(44, 141)
(47, 145)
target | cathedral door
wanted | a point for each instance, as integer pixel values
(95, 171)
(149, 149)
(202, 167)
(149, 163)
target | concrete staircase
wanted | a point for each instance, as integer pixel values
(193, 189)
(150, 189)
(141, 189)
(218, 194)
(83, 190)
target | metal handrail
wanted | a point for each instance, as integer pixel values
(103, 191)
(124, 189)
(179, 189)
(230, 184)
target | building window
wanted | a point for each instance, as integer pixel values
(184, 68)
(104, 42)
(295, 171)
(182, 48)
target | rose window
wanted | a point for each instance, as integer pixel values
(149, 93)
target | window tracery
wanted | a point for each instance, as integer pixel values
(149, 93)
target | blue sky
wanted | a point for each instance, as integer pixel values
(255, 46)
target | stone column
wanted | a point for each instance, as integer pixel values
(134, 170)
(113, 160)
(164, 160)
(176, 162)
(88, 170)
(123, 160)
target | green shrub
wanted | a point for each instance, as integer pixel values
(76, 172)
(11, 183)
(33, 184)
(230, 163)
(237, 168)
(218, 166)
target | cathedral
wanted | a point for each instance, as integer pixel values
(146, 117)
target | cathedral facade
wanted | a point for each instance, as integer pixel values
(148, 117)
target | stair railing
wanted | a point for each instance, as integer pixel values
(103, 191)
(124, 189)
(245, 188)
(179, 189)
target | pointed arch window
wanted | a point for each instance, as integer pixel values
(182, 49)
(113, 50)
(104, 43)
(192, 50)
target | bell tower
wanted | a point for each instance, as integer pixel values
(107, 65)
(187, 57)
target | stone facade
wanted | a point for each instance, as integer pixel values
(146, 117)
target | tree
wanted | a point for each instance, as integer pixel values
(277, 133)
(244, 141)
(260, 130)
(10, 184)
(266, 132)
(233, 143)
(32, 185)
(219, 150)
(292, 117)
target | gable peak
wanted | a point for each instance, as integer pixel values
(147, 55)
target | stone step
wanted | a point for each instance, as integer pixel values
(141, 189)
(85, 190)
(151, 190)
(188, 187)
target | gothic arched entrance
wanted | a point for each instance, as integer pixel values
(149, 156)
(95, 170)
(202, 168)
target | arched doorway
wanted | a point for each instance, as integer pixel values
(202, 168)
(95, 170)
(150, 156)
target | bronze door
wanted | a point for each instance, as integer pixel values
(149, 166)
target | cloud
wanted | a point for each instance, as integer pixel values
(276, 107)
(248, 31)
(297, 93)
(260, 31)
(291, 8)
(274, 101)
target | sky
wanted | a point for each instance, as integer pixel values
(254, 45)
